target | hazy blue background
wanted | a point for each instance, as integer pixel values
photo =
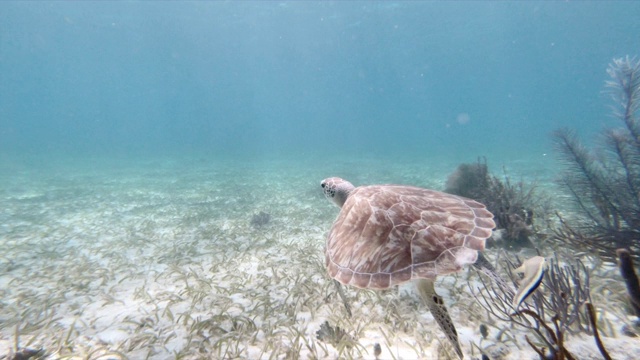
(274, 78)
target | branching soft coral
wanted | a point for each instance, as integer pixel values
(512, 204)
(605, 183)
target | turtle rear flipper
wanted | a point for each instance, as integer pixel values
(439, 312)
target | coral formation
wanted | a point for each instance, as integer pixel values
(333, 335)
(260, 219)
(512, 204)
(605, 182)
(470, 180)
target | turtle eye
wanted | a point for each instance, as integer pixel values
(322, 185)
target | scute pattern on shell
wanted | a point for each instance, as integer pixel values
(389, 234)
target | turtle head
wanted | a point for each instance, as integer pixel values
(336, 190)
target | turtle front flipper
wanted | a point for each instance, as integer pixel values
(439, 311)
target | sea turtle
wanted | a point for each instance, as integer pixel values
(386, 235)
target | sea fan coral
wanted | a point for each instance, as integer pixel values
(561, 307)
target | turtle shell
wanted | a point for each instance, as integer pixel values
(389, 234)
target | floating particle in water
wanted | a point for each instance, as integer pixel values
(463, 118)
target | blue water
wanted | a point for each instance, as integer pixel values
(258, 79)
(139, 139)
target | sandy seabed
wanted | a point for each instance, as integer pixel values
(158, 259)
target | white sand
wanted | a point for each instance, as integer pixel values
(157, 259)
